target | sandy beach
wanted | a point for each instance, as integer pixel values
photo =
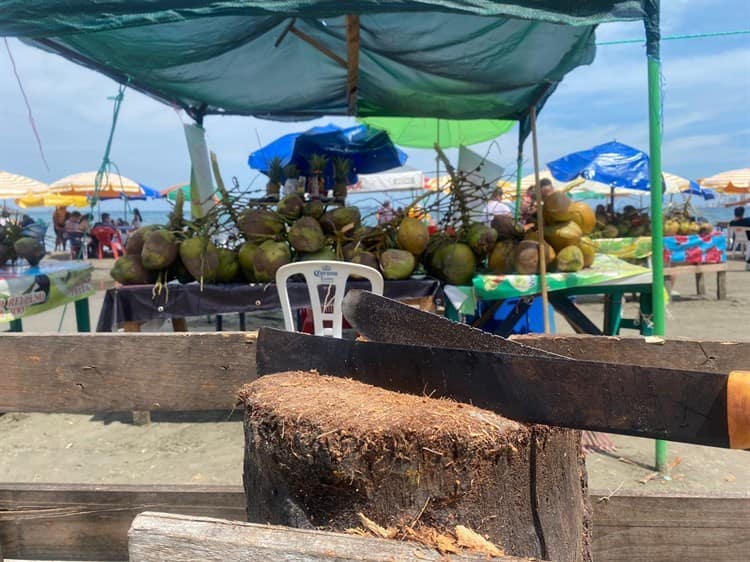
(208, 449)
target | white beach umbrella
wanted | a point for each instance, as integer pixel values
(13, 186)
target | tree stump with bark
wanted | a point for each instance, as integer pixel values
(320, 450)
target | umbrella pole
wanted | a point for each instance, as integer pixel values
(657, 226)
(540, 224)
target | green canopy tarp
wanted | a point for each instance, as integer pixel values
(423, 58)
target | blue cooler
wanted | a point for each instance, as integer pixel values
(531, 322)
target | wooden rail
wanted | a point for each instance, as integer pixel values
(90, 522)
(92, 373)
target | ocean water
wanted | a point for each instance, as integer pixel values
(157, 211)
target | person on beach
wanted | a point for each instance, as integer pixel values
(741, 220)
(59, 217)
(385, 213)
(528, 203)
(137, 219)
(74, 232)
(495, 206)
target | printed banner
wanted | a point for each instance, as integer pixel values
(678, 250)
(695, 249)
(26, 290)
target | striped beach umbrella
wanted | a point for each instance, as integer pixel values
(733, 181)
(112, 186)
(13, 186)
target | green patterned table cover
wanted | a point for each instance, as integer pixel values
(606, 268)
(625, 248)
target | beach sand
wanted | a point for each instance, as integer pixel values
(208, 449)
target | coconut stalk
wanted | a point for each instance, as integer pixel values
(275, 171)
(341, 169)
(318, 163)
(226, 202)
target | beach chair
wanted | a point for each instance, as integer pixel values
(328, 318)
(107, 237)
(738, 237)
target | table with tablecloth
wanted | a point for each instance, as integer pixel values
(27, 290)
(608, 276)
(141, 303)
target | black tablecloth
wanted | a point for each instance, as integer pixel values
(136, 303)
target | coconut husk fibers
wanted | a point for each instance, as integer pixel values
(321, 450)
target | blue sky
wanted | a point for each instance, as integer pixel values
(706, 109)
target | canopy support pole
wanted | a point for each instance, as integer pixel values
(319, 46)
(540, 224)
(657, 225)
(352, 56)
(519, 170)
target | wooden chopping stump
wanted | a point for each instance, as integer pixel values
(318, 450)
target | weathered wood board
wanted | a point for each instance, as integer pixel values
(681, 354)
(90, 522)
(86, 373)
(155, 537)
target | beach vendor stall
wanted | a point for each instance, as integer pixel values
(317, 58)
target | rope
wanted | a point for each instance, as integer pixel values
(677, 37)
(32, 122)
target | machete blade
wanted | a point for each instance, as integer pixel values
(385, 320)
(626, 399)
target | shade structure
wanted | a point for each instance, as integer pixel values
(370, 150)
(13, 186)
(53, 200)
(732, 181)
(449, 133)
(613, 164)
(112, 186)
(418, 58)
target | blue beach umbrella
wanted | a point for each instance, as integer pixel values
(370, 150)
(613, 163)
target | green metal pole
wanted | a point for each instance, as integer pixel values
(519, 171)
(83, 320)
(657, 225)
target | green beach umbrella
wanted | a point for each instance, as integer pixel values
(418, 132)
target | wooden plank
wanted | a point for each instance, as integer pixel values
(697, 268)
(671, 528)
(155, 537)
(721, 285)
(700, 284)
(688, 355)
(90, 522)
(124, 372)
(352, 57)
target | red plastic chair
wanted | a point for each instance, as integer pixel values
(107, 237)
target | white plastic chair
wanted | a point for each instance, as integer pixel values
(317, 273)
(738, 239)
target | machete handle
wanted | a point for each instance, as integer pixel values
(738, 409)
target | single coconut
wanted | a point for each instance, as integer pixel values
(129, 270)
(397, 264)
(314, 209)
(583, 216)
(134, 245)
(526, 257)
(245, 257)
(306, 235)
(324, 254)
(570, 259)
(229, 266)
(159, 249)
(413, 236)
(269, 257)
(455, 263)
(610, 231)
(290, 207)
(342, 219)
(365, 258)
(29, 249)
(260, 224)
(481, 239)
(201, 258)
(501, 258)
(561, 235)
(556, 207)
